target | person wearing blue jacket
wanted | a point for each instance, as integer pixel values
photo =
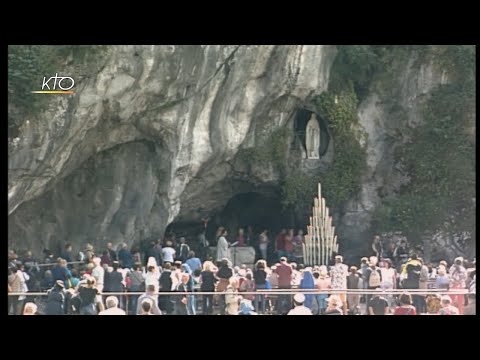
(125, 257)
(308, 283)
(190, 285)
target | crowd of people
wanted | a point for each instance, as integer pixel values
(80, 283)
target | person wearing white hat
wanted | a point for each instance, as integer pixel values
(299, 308)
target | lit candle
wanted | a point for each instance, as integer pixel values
(312, 260)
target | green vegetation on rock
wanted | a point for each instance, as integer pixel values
(343, 179)
(354, 65)
(440, 157)
(298, 188)
(350, 75)
(273, 149)
(29, 64)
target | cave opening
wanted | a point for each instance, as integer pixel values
(250, 209)
(258, 210)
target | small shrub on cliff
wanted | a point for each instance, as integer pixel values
(440, 157)
(272, 150)
(343, 179)
(28, 64)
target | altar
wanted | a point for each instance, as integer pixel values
(238, 255)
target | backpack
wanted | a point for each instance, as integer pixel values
(413, 272)
(374, 279)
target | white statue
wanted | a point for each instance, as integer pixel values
(313, 138)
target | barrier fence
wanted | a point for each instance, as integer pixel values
(129, 304)
(283, 292)
(55, 263)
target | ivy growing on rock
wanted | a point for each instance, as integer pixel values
(350, 74)
(343, 179)
(272, 150)
(28, 64)
(297, 189)
(440, 157)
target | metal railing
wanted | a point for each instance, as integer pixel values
(130, 305)
(281, 292)
(55, 263)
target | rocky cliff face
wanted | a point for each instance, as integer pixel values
(386, 115)
(154, 137)
(390, 115)
(151, 138)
